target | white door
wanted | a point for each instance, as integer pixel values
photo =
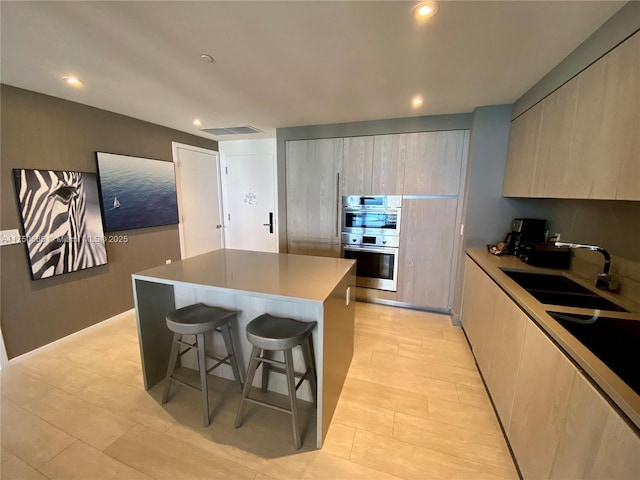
(199, 200)
(250, 201)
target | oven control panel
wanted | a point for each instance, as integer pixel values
(372, 240)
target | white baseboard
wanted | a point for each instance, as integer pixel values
(63, 340)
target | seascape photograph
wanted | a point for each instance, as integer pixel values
(136, 192)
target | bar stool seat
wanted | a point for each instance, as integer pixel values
(197, 320)
(267, 333)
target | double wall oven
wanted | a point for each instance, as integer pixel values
(371, 235)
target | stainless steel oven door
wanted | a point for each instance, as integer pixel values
(377, 267)
(372, 221)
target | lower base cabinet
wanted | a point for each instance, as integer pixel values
(540, 403)
(595, 442)
(558, 424)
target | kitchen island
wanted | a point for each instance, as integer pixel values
(252, 283)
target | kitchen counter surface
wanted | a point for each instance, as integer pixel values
(618, 391)
(270, 274)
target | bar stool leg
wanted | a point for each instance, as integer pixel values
(173, 358)
(265, 370)
(291, 383)
(251, 372)
(202, 366)
(228, 343)
(310, 365)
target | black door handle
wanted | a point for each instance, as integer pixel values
(270, 224)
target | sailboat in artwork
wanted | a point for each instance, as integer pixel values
(116, 203)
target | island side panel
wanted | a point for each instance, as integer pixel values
(153, 301)
(338, 341)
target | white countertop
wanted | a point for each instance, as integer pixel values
(274, 274)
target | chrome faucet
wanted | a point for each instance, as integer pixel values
(604, 280)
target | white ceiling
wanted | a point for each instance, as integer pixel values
(282, 64)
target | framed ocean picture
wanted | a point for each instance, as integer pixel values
(61, 221)
(136, 192)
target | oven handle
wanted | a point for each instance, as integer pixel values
(357, 248)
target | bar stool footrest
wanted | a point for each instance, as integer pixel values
(270, 405)
(184, 383)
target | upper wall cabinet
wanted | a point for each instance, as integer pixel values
(357, 166)
(425, 163)
(374, 165)
(627, 59)
(523, 142)
(434, 162)
(552, 175)
(582, 141)
(389, 158)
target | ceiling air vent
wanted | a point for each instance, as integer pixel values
(244, 130)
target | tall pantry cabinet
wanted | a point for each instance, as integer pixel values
(426, 168)
(313, 169)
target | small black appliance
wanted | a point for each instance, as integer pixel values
(546, 256)
(525, 231)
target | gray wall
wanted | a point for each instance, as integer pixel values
(431, 123)
(44, 132)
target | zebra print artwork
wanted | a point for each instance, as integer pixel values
(61, 221)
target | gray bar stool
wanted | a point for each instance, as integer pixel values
(197, 320)
(268, 334)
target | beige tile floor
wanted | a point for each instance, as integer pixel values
(413, 407)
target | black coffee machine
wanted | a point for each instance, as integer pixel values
(525, 231)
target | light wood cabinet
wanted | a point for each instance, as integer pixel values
(595, 441)
(540, 403)
(388, 164)
(427, 237)
(504, 354)
(495, 328)
(627, 58)
(479, 306)
(582, 140)
(313, 169)
(522, 153)
(434, 162)
(559, 425)
(425, 163)
(551, 176)
(357, 166)
(607, 120)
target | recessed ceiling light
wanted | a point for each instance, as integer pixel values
(424, 10)
(417, 101)
(73, 81)
(197, 123)
(206, 58)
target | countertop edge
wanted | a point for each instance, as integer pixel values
(619, 393)
(252, 293)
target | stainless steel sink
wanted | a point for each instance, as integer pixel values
(551, 289)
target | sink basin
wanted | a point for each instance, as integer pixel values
(559, 290)
(546, 282)
(575, 300)
(613, 340)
